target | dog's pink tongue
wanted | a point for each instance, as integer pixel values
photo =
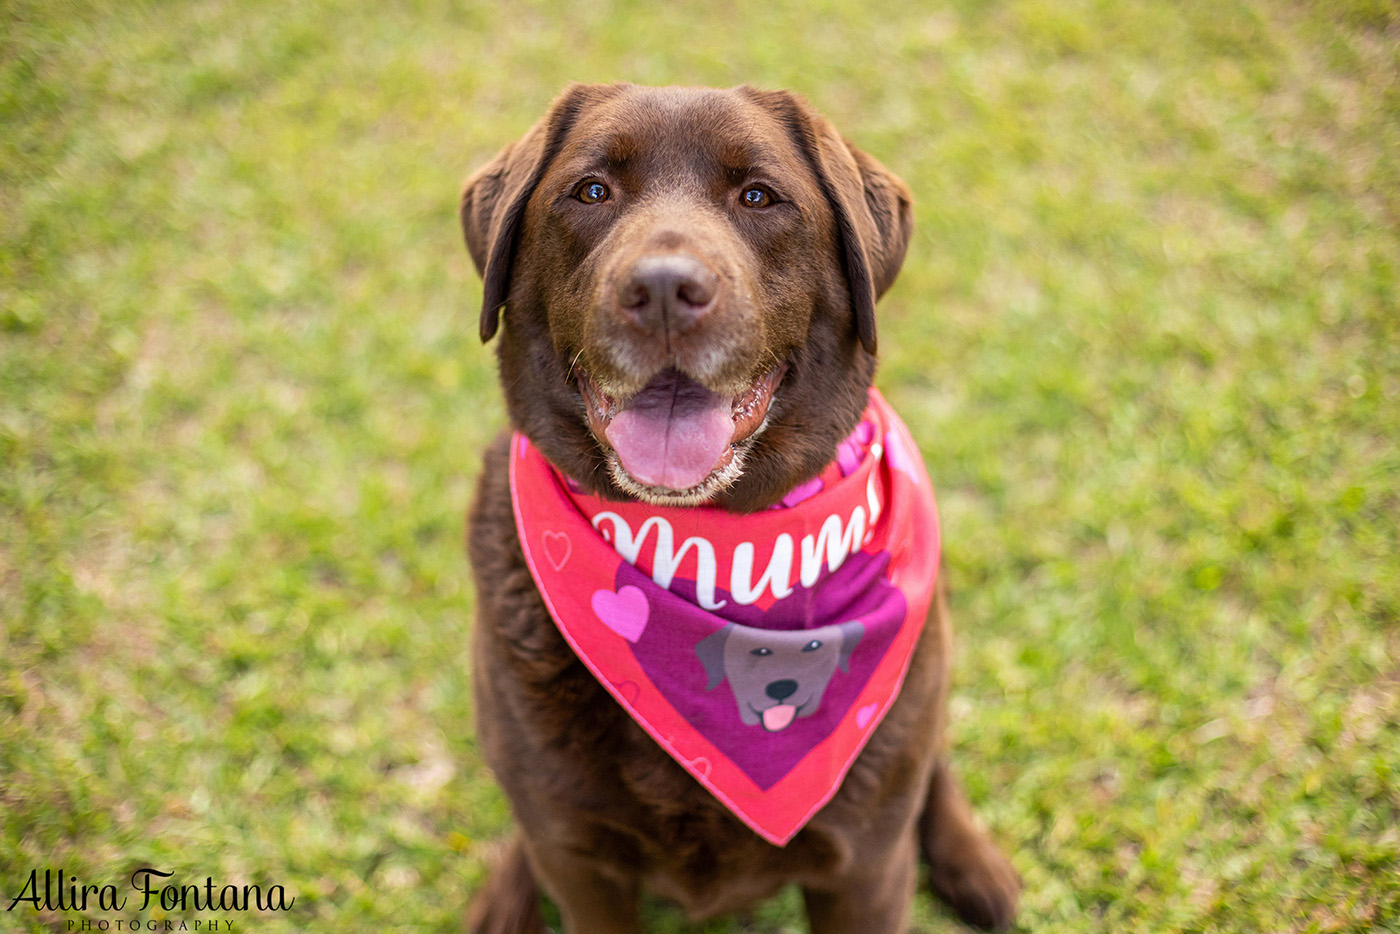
(672, 433)
(777, 718)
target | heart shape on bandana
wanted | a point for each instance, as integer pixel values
(557, 549)
(624, 612)
(629, 692)
(864, 714)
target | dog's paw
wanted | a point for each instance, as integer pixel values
(497, 916)
(509, 903)
(980, 885)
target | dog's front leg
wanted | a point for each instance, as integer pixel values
(590, 900)
(965, 866)
(873, 898)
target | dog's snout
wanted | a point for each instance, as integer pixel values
(781, 690)
(667, 293)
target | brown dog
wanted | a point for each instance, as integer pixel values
(713, 256)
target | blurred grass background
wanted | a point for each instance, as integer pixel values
(1146, 334)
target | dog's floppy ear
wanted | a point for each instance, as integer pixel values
(851, 634)
(711, 652)
(873, 207)
(494, 197)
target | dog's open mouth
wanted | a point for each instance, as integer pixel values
(675, 438)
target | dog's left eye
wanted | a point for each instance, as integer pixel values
(592, 192)
(755, 196)
(760, 652)
(812, 646)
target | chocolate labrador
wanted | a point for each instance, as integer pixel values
(683, 282)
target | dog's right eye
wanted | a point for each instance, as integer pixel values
(761, 652)
(756, 196)
(592, 192)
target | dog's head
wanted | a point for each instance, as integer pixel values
(688, 278)
(777, 675)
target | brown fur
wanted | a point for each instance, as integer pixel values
(604, 812)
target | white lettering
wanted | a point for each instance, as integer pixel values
(778, 575)
(666, 560)
(833, 542)
(872, 499)
(829, 548)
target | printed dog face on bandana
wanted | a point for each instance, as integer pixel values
(777, 676)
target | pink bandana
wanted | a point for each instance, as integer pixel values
(759, 650)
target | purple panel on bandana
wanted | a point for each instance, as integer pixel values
(856, 591)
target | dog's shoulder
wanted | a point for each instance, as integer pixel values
(533, 693)
(492, 542)
(510, 610)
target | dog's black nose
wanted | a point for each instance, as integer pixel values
(667, 293)
(781, 690)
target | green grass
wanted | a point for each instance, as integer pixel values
(1148, 335)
